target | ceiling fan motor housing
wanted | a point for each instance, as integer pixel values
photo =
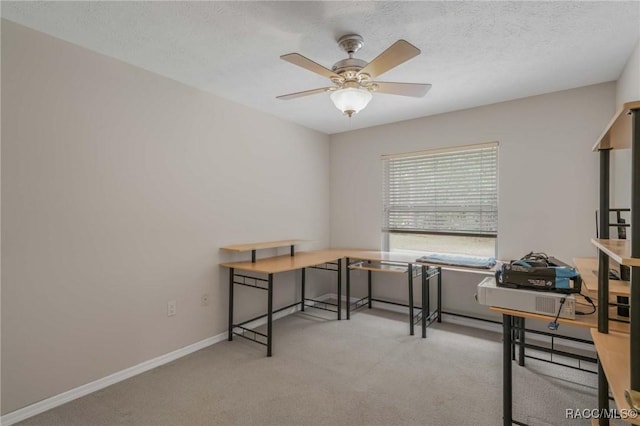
(349, 68)
(346, 67)
(351, 43)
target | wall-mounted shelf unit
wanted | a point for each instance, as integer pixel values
(620, 371)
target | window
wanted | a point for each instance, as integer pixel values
(443, 201)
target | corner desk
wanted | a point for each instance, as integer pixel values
(263, 270)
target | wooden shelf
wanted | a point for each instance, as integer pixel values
(617, 134)
(274, 265)
(259, 246)
(618, 250)
(614, 354)
(588, 269)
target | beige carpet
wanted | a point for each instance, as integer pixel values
(366, 371)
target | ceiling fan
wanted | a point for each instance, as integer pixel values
(353, 78)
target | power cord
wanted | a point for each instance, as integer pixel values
(593, 305)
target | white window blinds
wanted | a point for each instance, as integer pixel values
(442, 191)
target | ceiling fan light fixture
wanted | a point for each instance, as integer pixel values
(351, 100)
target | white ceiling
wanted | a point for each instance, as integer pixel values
(473, 53)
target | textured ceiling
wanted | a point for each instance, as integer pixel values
(473, 53)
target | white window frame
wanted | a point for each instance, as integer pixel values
(479, 214)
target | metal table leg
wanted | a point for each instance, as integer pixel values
(603, 394)
(410, 273)
(439, 294)
(521, 342)
(269, 315)
(303, 288)
(513, 338)
(340, 289)
(425, 307)
(506, 370)
(348, 289)
(369, 288)
(230, 336)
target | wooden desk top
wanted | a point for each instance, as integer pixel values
(263, 245)
(588, 269)
(273, 265)
(584, 321)
(618, 250)
(614, 354)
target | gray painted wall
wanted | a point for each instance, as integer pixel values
(118, 188)
(548, 179)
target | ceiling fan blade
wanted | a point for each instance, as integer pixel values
(305, 93)
(399, 52)
(404, 89)
(306, 63)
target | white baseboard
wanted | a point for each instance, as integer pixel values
(80, 391)
(57, 400)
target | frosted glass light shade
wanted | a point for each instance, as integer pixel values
(351, 100)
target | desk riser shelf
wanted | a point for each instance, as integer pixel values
(260, 246)
(588, 269)
(618, 250)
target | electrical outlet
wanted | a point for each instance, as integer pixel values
(204, 300)
(171, 308)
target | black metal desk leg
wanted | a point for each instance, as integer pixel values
(231, 272)
(340, 289)
(428, 294)
(506, 369)
(303, 290)
(439, 294)
(410, 273)
(348, 289)
(521, 343)
(513, 338)
(603, 394)
(369, 287)
(425, 310)
(269, 315)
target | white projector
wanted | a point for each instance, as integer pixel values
(537, 302)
